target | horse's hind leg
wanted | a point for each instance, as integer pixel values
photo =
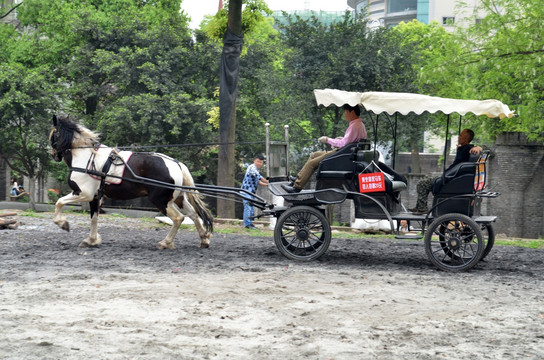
(172, 211)
(94, 238)
(190, 211)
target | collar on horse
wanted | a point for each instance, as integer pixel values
(103, 173)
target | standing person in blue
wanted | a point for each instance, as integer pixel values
(252, 179)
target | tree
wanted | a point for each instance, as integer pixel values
(506, 49)
(133, 72)
(26, 100)
(433, 48)
(229, 73)
(345, 55)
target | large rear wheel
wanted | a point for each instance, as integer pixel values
(489, 236)
(302, 233)
(454, 242)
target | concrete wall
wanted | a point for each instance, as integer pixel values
(516, 172)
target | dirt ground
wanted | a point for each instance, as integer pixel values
(241, 299)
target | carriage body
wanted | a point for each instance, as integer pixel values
(456, 235)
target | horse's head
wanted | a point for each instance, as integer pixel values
(67, 135)
(62, 136)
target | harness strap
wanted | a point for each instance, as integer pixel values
(105, 169)
(102, 174)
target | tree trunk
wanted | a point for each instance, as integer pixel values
(227, 105)
(416, 164)
(225, 171)
(32, 193)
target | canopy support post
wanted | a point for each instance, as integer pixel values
(446, 145)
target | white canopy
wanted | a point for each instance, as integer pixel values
(404, 103)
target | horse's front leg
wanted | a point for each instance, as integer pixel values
(59, 218)
(94, 238)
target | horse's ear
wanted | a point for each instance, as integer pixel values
(55, 120)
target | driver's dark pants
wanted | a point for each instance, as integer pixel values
(424, 187)
(310, 167)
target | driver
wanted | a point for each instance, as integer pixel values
(356, 131)
(425, 185)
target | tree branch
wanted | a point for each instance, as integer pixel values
(11, 10)
(506, 55)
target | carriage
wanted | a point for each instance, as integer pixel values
(456, 234)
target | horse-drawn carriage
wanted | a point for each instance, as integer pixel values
(456, 235)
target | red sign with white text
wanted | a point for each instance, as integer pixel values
(372, 182)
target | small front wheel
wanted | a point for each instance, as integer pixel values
(454, 242)
(302, 233)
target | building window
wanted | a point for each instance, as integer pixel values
(448, 20)
(394, 6)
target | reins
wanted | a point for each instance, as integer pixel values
(207, 190)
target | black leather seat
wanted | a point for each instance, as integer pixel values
(457, 180)
(341, 164)
(454, 190)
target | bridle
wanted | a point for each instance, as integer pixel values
(53, 139)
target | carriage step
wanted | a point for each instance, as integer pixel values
(409, 236)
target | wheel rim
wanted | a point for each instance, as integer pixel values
(302, 234)
(454, 242)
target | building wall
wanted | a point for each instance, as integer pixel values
(392, 12)
(516, 172)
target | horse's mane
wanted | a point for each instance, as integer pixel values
(72, 135)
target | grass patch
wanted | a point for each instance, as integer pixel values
(526, 243)
(32, 213)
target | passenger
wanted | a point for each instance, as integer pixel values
(425, 185)
(14, 187)
(252, 179)
(356, 131)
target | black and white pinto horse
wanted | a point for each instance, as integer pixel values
(89, 162)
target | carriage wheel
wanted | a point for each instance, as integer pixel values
(454, 242)
(487, 229)
(302, 233)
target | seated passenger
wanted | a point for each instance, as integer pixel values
(355, 132)
(464, 150)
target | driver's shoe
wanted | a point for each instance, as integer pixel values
(290, 189)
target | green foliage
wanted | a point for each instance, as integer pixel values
(510, 62)
(26, 97)
(254, 12)
(133, 71)
(344, 55)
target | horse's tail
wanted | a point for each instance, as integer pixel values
(196, 201)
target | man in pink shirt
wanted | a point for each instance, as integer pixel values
(355, 132)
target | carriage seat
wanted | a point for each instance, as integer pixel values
(460, 178)
(394, 182)
(341, 164)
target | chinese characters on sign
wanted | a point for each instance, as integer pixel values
(372, 182)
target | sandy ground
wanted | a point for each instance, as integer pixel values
(241, 299)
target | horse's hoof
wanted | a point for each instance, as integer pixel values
(205, 241)
(65, 226)
(162, 246)
(83, 244)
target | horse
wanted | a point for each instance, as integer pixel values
(92, 165)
